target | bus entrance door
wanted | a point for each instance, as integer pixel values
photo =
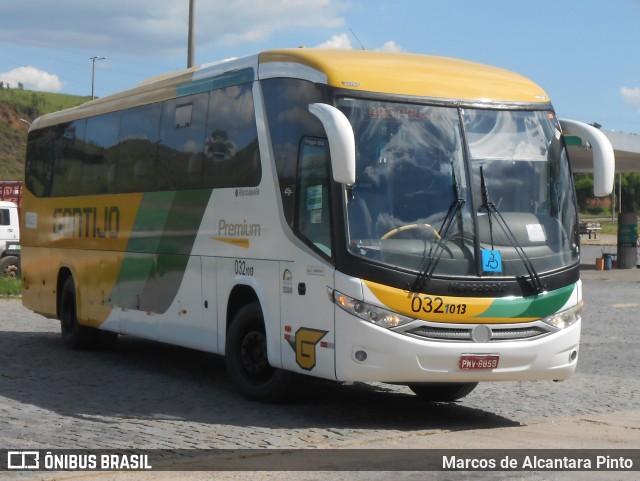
(307, 318)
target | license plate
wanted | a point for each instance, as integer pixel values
(479, 361)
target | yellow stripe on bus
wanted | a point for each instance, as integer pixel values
(437, 308)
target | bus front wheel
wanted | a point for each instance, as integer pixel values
(442, 392)
(247, 362)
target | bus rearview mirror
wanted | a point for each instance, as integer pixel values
(604, 164)
(342, 145)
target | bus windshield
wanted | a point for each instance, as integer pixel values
(455, 191)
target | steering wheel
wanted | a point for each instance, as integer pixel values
(407, 227)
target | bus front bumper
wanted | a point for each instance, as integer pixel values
(365, 352)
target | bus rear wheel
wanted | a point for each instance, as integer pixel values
(247, 361)
(75, 335)
(442, 392)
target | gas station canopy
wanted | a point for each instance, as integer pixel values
(626, 148)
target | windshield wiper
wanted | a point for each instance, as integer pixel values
(492, 210)
(434, 256)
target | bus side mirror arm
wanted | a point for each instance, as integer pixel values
(342, 144)
(604, 164)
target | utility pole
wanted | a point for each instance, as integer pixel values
(93, 73)
(192, 33)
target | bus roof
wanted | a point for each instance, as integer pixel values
(412, 74)
(358, 70)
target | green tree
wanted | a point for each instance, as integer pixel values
(630, 196)
(584, 189)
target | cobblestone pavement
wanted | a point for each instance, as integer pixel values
(146, 395)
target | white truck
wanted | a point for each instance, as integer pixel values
(9, 240)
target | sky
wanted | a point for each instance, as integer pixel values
(584, 53)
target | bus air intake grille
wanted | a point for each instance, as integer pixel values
(445, 334)
(458, 334)
(514, 334)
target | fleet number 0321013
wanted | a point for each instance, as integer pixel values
(436, 305)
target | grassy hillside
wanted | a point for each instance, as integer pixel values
(18, 104)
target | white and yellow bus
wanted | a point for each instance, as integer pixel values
(349, 215)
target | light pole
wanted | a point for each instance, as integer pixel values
(191, 37)
(93, 73)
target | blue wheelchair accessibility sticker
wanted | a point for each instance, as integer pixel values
(491, 261)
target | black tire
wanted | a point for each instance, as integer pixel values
(10, 267)
(442, 392)
(74, 335)
(246, 359)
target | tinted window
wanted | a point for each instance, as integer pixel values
(138, 149)
(207, 140)
(287, 104)
(101, 153)
(231, 148)
(42, 151)
(67, 178)
(181, 152)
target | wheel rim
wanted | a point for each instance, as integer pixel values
(253, 356)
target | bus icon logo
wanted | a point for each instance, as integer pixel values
(23, 460)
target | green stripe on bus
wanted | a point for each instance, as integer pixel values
(150, 222)
(158, 251)
(183, 221)
(530, 307)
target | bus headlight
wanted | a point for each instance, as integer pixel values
(564, 319)
(368, 312)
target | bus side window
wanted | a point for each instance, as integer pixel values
(101, 152)
(181, 151)
(37, 169)
(313, 205)
(287, 107)
(231, 156)
(67, 156)
(138, 149)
